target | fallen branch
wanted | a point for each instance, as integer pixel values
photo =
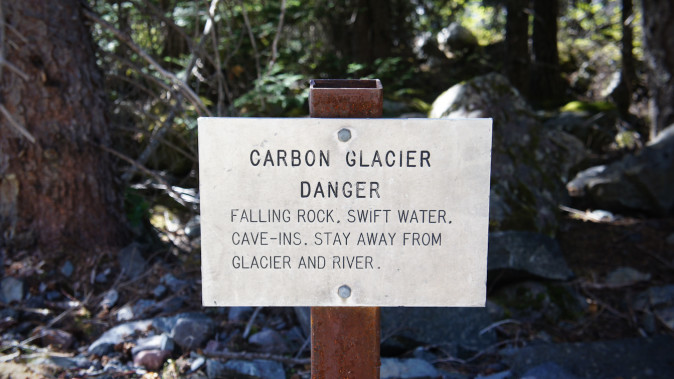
(174, 195)
(250, 356)
(249, 325)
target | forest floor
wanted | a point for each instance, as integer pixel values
(593, 250)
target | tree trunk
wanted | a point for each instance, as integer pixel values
(517, 59)
(658, 19)
(546, 84)
(56, 193)
(622, 93)
(365, 30)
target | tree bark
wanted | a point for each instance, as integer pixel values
(546, 84)
(517, 59)
(658, 28)
(365, 30)
(622, 93)
(56, 193)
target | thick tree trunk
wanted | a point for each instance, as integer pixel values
(365, 30)
(658, 19)
(622, 93)
(517, 59)
(56, 193)
(546, 84)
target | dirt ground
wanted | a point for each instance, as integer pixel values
(593, 250)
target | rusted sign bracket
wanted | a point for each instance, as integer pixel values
(345, 340)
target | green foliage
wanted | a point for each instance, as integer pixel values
(591, 107)
(591, 31)
(275, 94)
(136, 207)
(239, 61)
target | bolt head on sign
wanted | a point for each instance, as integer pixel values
(344, 212)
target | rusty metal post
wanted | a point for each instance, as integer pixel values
(345, 340)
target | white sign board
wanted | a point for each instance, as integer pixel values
(344, 212)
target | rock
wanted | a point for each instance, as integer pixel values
(131, 261)
(67, 269)
(666, 316)
(152, 360)
(594, 134)
(663, 295)
(12, 289)
(512, 253)
(638, 182)
(239, 314)
(8, 318)
(156, 342)
(170, 305)
(191, 332)
(407, 368)
(174, 284)
(119, 333)
(193, 227)
(529, 162)
(624, 276)
(102, 349)
(215, 369)
(440, 326)
(258, 368)
(659, 301)
(125, 313)
(110, 299)
(57, 338)
(498, 375)
(114, 366)
(628, 358)
(197, 364)
(53, 295)
(103, 276)
(159, 291)
(143, 307)
(269, 341)
(532, 302)
(670, 239)
(456, 38)
(655, 297)
(67, 363)
(548, 370)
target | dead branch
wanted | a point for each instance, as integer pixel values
(252, 38)
(175, 196)
(279, 28)
(189, 155)
(249, 325)
(15, 124)
(251, 356)
(154, 141)
(182, 86)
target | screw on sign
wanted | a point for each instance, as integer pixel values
(345, 340)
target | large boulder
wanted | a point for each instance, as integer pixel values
(639, 182)
(529, 162)
(454, 327)
(456, 38)
(515, 254)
